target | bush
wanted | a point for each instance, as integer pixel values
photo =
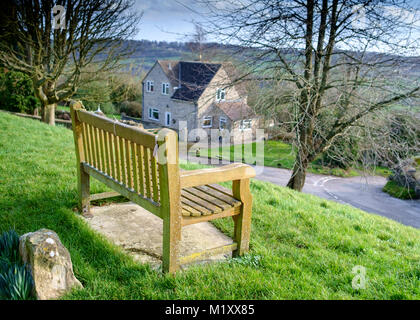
(397, 191)
(16, 93)
(131, 108)
(108, 108)
(16, 282)
(9, 248)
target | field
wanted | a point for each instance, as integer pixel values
(302, 247)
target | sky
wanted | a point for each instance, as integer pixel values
(172, 20)
(166, 20)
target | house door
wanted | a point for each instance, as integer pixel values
(167, 118)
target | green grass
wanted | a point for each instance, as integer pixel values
(282, 155)
(302, 247)
(395, 190)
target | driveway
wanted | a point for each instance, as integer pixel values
(361, 192)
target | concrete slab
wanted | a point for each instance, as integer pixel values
(139, 233)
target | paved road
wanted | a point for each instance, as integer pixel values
(361, 192)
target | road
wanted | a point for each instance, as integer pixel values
(361, 192)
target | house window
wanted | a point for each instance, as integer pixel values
(150, 86)
(221, 95)
(246, 124)
(222, 123)
(153, 114)
(168, 118)
(207, 122)
(165, 88)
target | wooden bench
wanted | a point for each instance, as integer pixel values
(144, 168)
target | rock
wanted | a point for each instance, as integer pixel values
(49, 262)
(61, 114)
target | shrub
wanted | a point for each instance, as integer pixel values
(16, 93)
(397, 191)
(16, 283)
(9, 247)
(131, 108)
(108, 108)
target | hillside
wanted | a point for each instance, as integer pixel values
(302, 247)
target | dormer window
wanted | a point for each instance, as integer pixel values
(150, 86)
(165, 88)
(221, 94)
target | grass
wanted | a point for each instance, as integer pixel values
(397, 191)
(302, 247)
(281, 155)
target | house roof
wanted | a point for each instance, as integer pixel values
(193, 77)
(237, 110)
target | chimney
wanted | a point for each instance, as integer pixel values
(169, 66)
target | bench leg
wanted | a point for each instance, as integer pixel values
(171, 243)
(242, 222)
(84, 192)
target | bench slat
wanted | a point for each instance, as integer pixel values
(194, 208)
(155, 181)
(128, 164)
(106, 145)
(203, 203)
(111, 153)
(135, 171)
(209, 198)
(122, 161)
(85, 143)
(146, 163)
(140, 167)
(220, 193)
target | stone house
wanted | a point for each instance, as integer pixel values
(199, 95)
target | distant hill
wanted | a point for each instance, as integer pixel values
(145, 53)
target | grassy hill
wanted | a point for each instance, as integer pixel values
(302, 247)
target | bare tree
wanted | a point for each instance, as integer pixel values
(197, 41)
(61, 43)
(323, 52)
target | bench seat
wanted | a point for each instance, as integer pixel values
(206, 200)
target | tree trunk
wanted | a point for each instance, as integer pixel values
(297, 180)
(48, 114)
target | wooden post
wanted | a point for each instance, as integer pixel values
(170, 194)
(242, 222)
(83, 181)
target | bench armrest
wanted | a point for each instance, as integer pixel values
(230, 172)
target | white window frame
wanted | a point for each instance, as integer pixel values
(151, 111)
(165, 88)
(224, 120)
(166, 118)
(219, 94)
(206, 119)
(150, 86)
(249, 124)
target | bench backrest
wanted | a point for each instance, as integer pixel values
(125, 154)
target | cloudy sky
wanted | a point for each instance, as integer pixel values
(168, 20)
